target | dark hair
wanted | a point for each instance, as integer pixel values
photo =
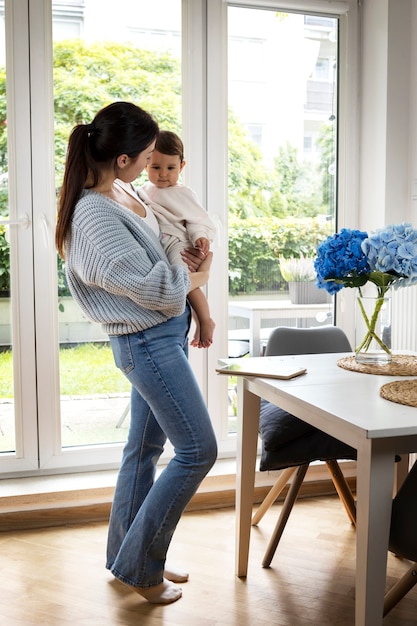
(119, 128)
(169, 143)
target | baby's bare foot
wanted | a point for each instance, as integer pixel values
(206, 333)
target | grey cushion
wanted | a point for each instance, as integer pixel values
(277, 427)
(288, 441)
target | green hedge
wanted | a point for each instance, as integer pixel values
(4, 262)
(254, 245)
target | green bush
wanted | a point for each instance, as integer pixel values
(4, 262)
(254, 247)
(256, 244)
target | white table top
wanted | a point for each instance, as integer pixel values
(348, 399)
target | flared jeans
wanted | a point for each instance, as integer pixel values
(166, 402)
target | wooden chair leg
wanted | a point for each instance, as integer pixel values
(273, 494)
(342, 489)
(285, 513)
(398, 591)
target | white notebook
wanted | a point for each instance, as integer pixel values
(262, 367)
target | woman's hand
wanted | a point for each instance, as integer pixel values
(199, 277)
(193, 258)
(206, 263)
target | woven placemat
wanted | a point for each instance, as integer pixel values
(400, 391)
(401, 365)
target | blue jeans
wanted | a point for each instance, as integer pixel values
(166, 402)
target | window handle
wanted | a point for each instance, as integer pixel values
(23, 221)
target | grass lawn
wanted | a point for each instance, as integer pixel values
(91, 407)
(86, 369)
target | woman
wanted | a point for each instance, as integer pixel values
(118, 273)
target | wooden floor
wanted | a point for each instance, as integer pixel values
(56, 576)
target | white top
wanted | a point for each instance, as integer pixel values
(149, 218)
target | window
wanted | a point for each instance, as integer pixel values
(81, 426)
(268, 180)
(280, 187)
(96, 412)
(252, 165)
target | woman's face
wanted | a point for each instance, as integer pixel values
(129, 169)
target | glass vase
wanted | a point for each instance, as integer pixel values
(372, 326)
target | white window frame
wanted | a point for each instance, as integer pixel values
(205, 133)
(211, 179)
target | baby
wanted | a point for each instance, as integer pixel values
(182, 220)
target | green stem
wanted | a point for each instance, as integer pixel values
(371, 323)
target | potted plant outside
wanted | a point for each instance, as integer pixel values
(301, 278)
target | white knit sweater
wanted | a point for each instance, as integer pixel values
(178, 211)
(117, 270)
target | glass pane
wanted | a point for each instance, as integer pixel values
(7, 422)
(282, 90)
(102, 55)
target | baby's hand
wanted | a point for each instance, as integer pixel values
(203, 244)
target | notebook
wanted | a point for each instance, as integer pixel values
(262, 367)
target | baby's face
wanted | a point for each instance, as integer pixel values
(164, 169)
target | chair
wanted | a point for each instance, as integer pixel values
(288, 443)
(237, 348)
(403, 537)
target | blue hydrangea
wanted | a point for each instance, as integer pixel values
(351, 258)
(341, 260)
(393, 250)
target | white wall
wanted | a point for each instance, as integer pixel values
(413, 116)
(387, 117)
(388, 144)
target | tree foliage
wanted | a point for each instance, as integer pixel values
(249, 182)
(89, 77)
(327, 165)
(263, 200)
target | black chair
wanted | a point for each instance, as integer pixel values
(288, 443)
(403, 537)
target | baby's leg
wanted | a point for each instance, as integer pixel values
(203, 337)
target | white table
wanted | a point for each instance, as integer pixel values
(348, 406)
(257, 310)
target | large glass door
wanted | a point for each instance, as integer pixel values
(139, 52)
(63, 405)
(18, 412)
(273, 84)
(283, 116)
(7, 422)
